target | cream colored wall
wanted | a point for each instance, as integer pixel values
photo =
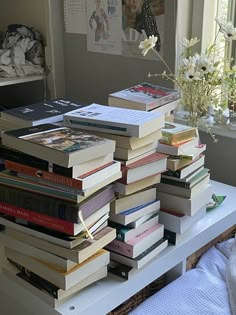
(28, 12)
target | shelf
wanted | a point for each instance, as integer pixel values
(106, 294)
(17, 80)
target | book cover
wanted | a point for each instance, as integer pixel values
(115, 120)
(56, 208)
(80, 168)
(64, 146)
(49, 111)
(52, 222)
(144, 96)
(174, 133)
(139, 243)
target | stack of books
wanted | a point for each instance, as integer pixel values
(134, 212)
(184, 190)
(58, 202)
(147, 97)
(50, 111)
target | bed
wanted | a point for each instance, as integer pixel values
(207, 289)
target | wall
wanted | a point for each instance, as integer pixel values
(90, 76)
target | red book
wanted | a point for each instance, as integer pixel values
(150, 165)
(81, 183)
(52, 222)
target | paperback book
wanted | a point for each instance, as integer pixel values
(115, 120)
(63, 146)
(174, 133)
(144, 96)
(49, 111)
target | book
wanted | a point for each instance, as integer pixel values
(137, 186)
(172, 237)
(52, 207)
(73, 172)
(184, 205)
(144, 96)
(60, 262)
(173, 133)
(180, 223)
(52, 236)
(128, 142)
(6, 124)
(167, 109)
(78, 254)
(49, 111)
(82, 183)
(177, 149)
(137, 245)
(53, 223)
(127, 154)
(45, 290)
(63, 146)
(175, 163)
(185, 192)
(121, 270)
(123, 202)
(148, 166)
(64, 280)
(143, 258)
(132, 214)
(172, 179)
(136, 223)
(124, 233)
(115, 120)
(191, 181)
(188, 169)
(68, 186)
(137, 158)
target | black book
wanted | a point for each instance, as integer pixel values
(50, 111)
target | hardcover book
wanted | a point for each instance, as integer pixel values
(144, 96)
(42, 164)
(115, 120)
(61, 145)
(174, 133)
(50, 111)
(135, 246)
(64, 280)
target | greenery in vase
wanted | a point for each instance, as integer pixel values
(205, 80)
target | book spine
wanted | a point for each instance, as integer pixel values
(121, 248)
(38, 218)
(48, 176)
(42, 204)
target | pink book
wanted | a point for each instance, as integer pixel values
(139, 243)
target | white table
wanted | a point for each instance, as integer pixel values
(105, 295)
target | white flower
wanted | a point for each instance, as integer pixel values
(189, 63)
(191, 75)
(189, 42)
(147, 44)
(227, 29)
(204, 63)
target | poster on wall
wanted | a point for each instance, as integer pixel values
(104, 26)
(75, 16)
(141, 19)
